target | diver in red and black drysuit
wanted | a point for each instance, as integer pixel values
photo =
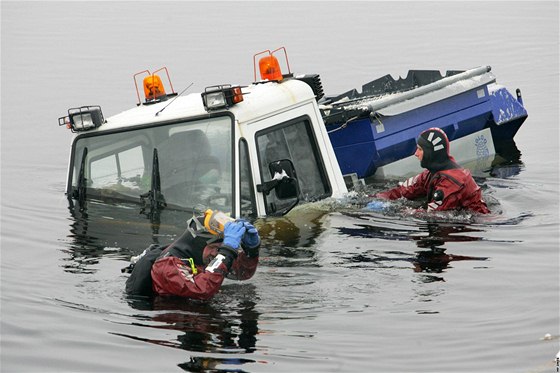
(445, 184)
(194, 266)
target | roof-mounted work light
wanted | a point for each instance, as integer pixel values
(221, 96)
(269, 67)
(84, 118)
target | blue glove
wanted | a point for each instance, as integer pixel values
(233, 233)
(251, 238)
(376, 206)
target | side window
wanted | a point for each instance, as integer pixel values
(294, 140)
(247, 194)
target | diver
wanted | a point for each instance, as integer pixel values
(445, 184)
(195, 265)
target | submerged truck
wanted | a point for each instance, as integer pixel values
(260, 150)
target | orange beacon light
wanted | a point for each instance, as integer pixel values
(269, 67)
(153, 87)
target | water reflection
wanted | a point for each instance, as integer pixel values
(204, 364)
(436, 260)
(227, 325)
(103, 228)
(429, 236)
(85, 249)
(507, 162)
(125, 225)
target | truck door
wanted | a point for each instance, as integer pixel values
(292, 140)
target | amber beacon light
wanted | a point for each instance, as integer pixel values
(154, 90)
(269, 66)
(153, 87)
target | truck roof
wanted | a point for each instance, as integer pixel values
(259, 99)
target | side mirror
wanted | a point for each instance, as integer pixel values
(285, 185)
(288, 186)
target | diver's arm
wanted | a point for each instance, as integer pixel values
(411, 188)
(244, 267)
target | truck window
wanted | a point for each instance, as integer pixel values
(294, 141)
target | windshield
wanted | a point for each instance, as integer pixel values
(192, 159)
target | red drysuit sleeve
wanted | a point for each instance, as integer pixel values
(171, 276)
(412, 188)
(243, 267)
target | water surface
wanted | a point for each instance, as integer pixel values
(338, 289)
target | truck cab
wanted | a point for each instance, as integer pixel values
(250, 151)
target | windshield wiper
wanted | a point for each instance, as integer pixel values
(157, 201)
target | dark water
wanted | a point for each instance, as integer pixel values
(338, 289)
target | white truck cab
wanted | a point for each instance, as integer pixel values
(255, 151)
